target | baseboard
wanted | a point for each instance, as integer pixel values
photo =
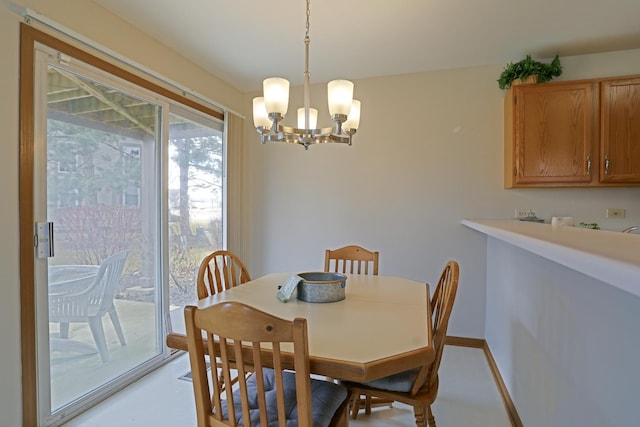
(465, 342)
(502, 388)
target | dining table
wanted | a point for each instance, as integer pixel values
(381, 327)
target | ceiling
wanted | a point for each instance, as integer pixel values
(245, 41)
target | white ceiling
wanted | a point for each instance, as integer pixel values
(245, 41)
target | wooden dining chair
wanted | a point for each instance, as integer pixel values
(419, 387)
(351, 259)
(272, 395)
(220, 270)
(355, 259)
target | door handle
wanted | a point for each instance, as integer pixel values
(44, 239)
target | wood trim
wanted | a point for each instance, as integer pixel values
(510, 170)
(68, 49)
(29, 36)
(502, 388)
(27, 292)
(465, 342)
(506, 397)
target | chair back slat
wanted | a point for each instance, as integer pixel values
(219, 271)
(277, 368)
(237, 335)
(352, 260)
(216, 383)
(262, 403)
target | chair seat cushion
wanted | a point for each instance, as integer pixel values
(326, 398)
(401, 382)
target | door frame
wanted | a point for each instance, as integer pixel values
(29, 36)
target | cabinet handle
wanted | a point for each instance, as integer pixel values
(589, 165)
(606, 164)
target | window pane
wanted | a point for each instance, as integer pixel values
(103, 286)
(195, 203)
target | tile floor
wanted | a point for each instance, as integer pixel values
(468, 396)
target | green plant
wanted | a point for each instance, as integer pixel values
(528, 67)
(591, 225)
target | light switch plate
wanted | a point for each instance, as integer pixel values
(615, 213)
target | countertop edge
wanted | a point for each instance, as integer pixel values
(608, 268)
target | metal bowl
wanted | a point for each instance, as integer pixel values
(322, 287)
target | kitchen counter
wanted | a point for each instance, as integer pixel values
(609, 256)
(562, 311)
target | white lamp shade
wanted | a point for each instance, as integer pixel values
(340, 95)
(276, 95)
(313, 118)
(260, 116)
(353, 119)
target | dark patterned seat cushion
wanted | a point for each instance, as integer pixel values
(402, 381)
(326, 398)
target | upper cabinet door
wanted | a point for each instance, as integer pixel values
(553, 135)
(620, 131)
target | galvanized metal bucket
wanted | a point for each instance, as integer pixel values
(322, 287)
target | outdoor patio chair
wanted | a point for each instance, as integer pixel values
(91, 304)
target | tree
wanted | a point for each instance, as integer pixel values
(82, 161)
(199, 159)
(87, 173)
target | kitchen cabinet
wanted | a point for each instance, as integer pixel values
(583, 133)
(551, 134)
(620, 131)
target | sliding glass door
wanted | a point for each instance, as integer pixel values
(99, 291)
(127, 198)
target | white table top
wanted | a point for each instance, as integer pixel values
(378, 329)
(71, 278)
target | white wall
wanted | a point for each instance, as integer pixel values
(429, 152)
(566, 344)
(10, 377)
(93, 22)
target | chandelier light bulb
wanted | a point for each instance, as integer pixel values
(260, 115)
(340, 95)
(313, 118)
(276, 95)
(353, 119)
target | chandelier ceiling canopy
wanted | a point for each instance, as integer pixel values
(270, 109)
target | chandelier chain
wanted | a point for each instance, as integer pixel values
(308, 15)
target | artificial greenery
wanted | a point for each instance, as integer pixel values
(528, 67)
(591, 225)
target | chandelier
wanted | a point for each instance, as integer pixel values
(270, 109)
